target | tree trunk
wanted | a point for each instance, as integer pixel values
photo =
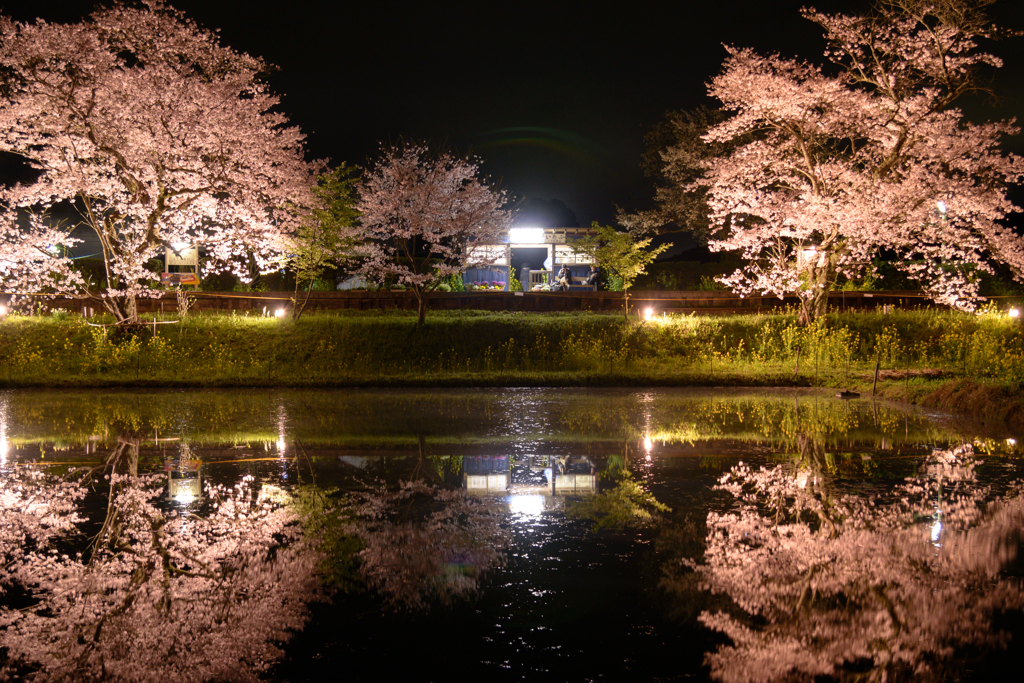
(814, 299)
(813, 306)
(421, 302)
(297, 308)
(625, 303)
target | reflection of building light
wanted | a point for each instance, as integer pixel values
(801, 478)
(275, 494)
(936, 531)
(279, 313)
(526, 235)
(941, 206)
(282, 420)
(528, 505)
(648, 444)
(184, 491)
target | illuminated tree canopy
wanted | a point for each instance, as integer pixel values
(157, 135)
(869, 155)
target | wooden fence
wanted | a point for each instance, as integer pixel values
(706, 303)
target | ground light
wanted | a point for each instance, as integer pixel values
(1014, 313)
(648, 313)
(279, 313)
(3, 311)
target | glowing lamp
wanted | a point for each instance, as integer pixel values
(1011, 442)
(648, 444)
(1014, 313)
(648, 313)
(526, 235)
(3, 311)
(279, 313)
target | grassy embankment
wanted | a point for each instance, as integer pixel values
(971, 363)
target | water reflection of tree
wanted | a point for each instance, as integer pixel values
(155, 595)
(424, 542)
(626, 503)
(854, 588)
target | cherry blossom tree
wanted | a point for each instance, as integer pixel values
(158, 135)
(880, 588)
(422, 212)
(36, 258)
(156, 595)
(866, 157)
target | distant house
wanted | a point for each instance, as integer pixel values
(539, 251)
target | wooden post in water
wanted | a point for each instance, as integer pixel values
(875, 383)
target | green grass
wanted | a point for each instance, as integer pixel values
(471, 348)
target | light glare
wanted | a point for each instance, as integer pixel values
(1014, 313)
(279, 313)
(530, 506)
(526, 235)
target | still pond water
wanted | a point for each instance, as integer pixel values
(501, 535)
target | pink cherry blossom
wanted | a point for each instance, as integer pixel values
(157, 135)
(421, 215)
(868, 156)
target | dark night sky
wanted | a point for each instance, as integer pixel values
(555, 97)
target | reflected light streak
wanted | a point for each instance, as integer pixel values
(282, 418)
(936, 533)
(528, 505)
